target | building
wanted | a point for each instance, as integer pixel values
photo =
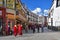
(11, 12)
(22, 13)
(32, 18)
(54, 15)
(41, 20)
(25, 11)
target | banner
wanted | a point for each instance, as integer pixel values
(1, 3)
(10, 4)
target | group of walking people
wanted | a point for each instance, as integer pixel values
(33, 27)
(17, 30)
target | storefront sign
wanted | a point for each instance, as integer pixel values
(1, 3)
(10, 4)
(18, 5)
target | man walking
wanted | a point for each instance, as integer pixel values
(42, 28)
(33, 28)
(38, 28)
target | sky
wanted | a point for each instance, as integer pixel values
(38, 6)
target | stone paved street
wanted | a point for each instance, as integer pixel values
(36, 36)
(43, 36)
(46, 35)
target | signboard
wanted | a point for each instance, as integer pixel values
(1, 3)
(0, 12)
(10, 4)
(18, 5)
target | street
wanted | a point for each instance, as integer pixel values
(46, 35)
(43, 36)
(29, 19)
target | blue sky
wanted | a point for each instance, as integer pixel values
(32, 5)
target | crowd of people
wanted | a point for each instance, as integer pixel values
(34, 26)
(15, 30)
(18, 29)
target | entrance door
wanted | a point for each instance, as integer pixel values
(0, 24)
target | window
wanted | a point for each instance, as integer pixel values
(28, 19)
(0, 24)
(58, 3)
(27, 13)
(17, 13)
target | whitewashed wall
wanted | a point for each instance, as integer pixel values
(55, 16)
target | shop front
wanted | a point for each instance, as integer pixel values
(2, 19)
(10, 21)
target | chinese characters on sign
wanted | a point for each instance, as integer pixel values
(10, 4)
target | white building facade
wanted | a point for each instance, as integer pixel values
(41, 19)
(33, 18)
(54, 14)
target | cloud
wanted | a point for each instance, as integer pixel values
(37, 10)
(40, 13)
(46, 12)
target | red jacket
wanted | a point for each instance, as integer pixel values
(15, 30)
(19, 29)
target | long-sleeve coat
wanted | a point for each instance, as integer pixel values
(15, 30)
(19, 29)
